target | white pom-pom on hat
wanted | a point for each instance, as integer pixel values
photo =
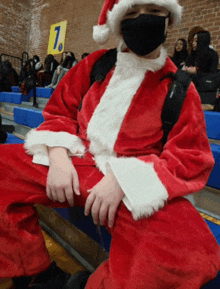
(101, 33)
(114, 10)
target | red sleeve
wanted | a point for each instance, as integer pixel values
(60, 114)
(186, 161)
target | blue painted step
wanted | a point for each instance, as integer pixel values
(44, 92)
(15, 89)
(29, 117)
(12, 139)
(214, 179)
(212, 119)
(12, 97)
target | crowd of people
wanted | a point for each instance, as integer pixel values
(34, 73)
(200, 60)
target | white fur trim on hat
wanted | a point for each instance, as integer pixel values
(114, 16)
(101, 33)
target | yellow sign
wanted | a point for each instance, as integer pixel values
(57, 38)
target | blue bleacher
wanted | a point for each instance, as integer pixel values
(214, 179)
(15, 89)
(12, 139)
(44, 92)
(212, 119)
(13, 97)
(213, 131)
(28, 117)
(16, 97)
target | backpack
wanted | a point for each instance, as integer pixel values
(174, 99)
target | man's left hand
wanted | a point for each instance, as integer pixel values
(104, 199)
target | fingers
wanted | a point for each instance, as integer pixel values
(95, 211)
(99, 210)
(76, 183)
(103, 213)
(61, 195)
(88, 204)
(69, 196)
(49, 193)
(111, 215)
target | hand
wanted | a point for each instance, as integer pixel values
(191, 69)
(62, 178)
(58, 71)
(104, 199)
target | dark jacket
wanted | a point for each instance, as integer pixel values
(204, 58)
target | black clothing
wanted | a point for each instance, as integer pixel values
(8, 76)
(179, 58)
(204, 58)
(206, 62)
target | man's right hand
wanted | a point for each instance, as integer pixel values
(62, 179)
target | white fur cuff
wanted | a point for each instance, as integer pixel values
(37, 143)
(144, 191)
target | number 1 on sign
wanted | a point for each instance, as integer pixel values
(57, 38)
(57, 29)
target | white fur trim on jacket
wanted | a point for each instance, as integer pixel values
(145, 193)
(108, 117)
(37, 143)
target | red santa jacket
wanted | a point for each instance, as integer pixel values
(120, 125)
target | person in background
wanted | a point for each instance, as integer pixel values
(202, 64)
(5, 82)
(180, 53)
(191, 35)
(84, 55)
(202, 59)
(27, 77)
(10, 72)
(72, 55)
(3, 134)
(68, 61)
(36, 63)
(45, 75)
(109, 157)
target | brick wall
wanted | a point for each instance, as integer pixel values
(80, 15)
(14, 26)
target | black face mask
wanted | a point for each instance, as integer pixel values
(144, 33)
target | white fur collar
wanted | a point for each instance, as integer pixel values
(131, 60)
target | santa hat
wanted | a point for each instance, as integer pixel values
(114, 10)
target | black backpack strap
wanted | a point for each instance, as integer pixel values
(104, 64)
(174, 101)
(102, 67)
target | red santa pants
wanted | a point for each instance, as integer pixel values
(172, 249)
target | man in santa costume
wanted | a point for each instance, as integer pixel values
(109, 158)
